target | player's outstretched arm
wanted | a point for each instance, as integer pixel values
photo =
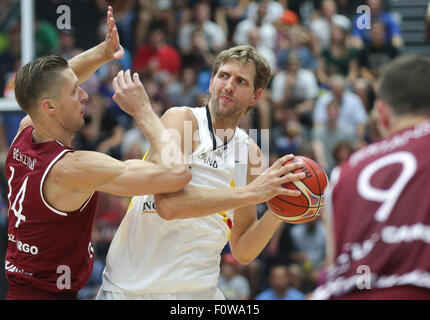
(87, 171)
(192, 202)
(86, 63)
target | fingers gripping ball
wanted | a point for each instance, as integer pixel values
(305, 207)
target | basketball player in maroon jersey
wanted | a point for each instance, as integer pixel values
(379, 203)
(52, 188)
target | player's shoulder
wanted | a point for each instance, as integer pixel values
(175, 116)
(180, 113)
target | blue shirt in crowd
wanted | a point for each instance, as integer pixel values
(290, 294)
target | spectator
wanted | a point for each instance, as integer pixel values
(67, 47)
(295, 42)
(288, 135)
(157, 57)
(351, 110)
(279, 286)
(321, 26)
(106, 91)
(101, 131)
(376, 53)
(366, 92)
(309, 240)
(134, 144)
(342, 151)
(327, 136)
(268, 32)
(295, 276)
(184, 91)
(154, 11)
(10, 57)
(274, 10)
(214, 34)
(109, 213)
(393, 33)
(348, 8)
(46, 39)
(233, 285)
(201, 57)
(339, 58)
(229, 13)
(296, 87)
(254, 39)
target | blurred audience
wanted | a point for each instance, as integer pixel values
(297, 88)
(319, 102)
(351, 112)
(393, 35)
(214, 34)
(327, 136)
(280, 288)
(233, 285)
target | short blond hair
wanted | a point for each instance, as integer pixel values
(245, 54)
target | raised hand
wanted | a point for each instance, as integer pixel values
(113, 48)
(130, 94)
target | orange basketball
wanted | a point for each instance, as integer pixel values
(305, 207)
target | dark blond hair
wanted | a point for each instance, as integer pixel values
(38, 78)
(245, 54)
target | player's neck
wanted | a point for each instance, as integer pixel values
(223, 127)
(46, 134)
(404, 122)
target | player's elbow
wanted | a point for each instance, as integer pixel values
(181, 175)
(244, 260)
(164, 207)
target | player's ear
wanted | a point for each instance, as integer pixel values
(384, 117)
(256, 96)
(210, 84)
(48, 106)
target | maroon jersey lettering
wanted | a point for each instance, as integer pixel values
(48, 250)
(381, 214)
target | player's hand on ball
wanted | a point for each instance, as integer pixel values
(130, 94)
(308, 205)
(269, 183)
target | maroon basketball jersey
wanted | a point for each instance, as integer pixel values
(48, 250)
(380, 200)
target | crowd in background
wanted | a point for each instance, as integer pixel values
(319, 102)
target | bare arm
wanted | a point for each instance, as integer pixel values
(250, 235)
(86, 172)
(192, 202)
(86, 63)
(133, 99)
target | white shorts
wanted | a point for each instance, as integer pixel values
(210, 294)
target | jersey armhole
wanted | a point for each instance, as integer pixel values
(61, 213)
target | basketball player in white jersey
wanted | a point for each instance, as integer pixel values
(168, 246)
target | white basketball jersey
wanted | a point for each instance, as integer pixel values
(151, 255)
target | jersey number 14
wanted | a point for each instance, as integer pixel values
(19, 199)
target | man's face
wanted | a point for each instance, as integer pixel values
(232, 89)
(279, 278)
(69, 102)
